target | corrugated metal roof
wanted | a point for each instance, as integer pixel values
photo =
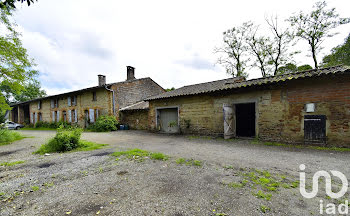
(142, 105)
(235, 83)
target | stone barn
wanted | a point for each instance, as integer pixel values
(310, 107)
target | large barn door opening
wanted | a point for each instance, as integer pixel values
(229, 121)
(245, 120)
(168, 120)
(315, 129)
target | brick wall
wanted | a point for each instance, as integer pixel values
(279, 111)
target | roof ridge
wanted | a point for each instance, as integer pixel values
(236, 78)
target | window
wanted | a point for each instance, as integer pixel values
(74, 100)
(73, 116)
(39, 105)
(94, 96)
(54, 103)
(64, 113)
(40, 117)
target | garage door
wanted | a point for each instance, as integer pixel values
(168, 120)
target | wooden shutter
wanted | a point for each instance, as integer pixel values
(35, 117)
(53, 116)
(39, 105)
(69, 101)
(69, 116)
(58, 116)
(75, 101)
(76, 116)
(91, 115)
(52, 103)
(32, 118)
(229, 121)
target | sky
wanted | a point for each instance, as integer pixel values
(173, 42)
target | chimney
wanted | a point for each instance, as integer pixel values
(130, 73)
(101, 80)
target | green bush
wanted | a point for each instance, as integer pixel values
(104, 124)
(65, 140)
(53, 125)
(7, 136)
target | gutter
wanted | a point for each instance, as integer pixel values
(112, 99)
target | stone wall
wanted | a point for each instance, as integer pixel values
(132, 91)
(279, 109)
(84, 102)
(136, 119)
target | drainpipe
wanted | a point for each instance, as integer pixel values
(112, 99)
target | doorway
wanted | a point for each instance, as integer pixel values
(245, 120)
(167, 120)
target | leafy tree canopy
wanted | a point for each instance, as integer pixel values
(339, 55)
(10, 4)
(316, 26)
(15, 64)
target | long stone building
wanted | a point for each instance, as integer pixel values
(83, 106)
(303, 107)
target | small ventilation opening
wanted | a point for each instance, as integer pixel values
(245, 120)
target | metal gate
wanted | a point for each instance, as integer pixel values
(315, 129)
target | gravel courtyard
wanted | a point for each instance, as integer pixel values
(233, 178)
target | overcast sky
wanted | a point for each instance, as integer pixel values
(73, 41)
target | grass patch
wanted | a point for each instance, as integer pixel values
(180, 161)
(140, 155)
(9, 136)
(264, 209)
(188, 162)
(35, 188)
(260, 194)
(40, 128)
(82, 146)
(11, 163)
(322, 148)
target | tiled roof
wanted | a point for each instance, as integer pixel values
(235, 83)
(78, 91)
(142, 105)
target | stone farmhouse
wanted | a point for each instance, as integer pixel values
(84, 106)
(310, 107)
(303, 107)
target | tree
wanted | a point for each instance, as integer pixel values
(258, 46)
(316, 26)
(234, 50)
(288, 68)
(31, 91)
(170, 89)
(10, 4)
(15, 65)
(278, 45)
(304, 67)
(339, 55)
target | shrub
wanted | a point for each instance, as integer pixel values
(104, 124)
(53, 125)
(7, 136)
(65, 140)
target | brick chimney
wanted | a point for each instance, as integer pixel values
(130, 73)
(101, 80)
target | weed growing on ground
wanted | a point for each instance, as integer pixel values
(35, 188)
(260, 194)
(339, 149)
(11, 163)
(180, 161)
(9, 136)
(264, 209)
(141, 155)
(188, 162)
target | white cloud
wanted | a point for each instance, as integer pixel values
(171, 42)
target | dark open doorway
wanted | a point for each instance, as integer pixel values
(245, 120)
